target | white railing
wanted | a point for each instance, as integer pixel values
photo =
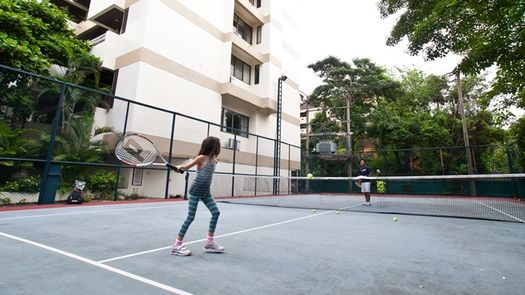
(97, 40)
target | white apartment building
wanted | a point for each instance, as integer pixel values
(215, 60)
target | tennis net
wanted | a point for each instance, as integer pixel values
(491, 197)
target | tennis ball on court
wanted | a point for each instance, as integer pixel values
(313, 210)
(309, 176)
(395, 219)
(336, 211)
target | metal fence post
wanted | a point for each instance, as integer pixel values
(115, 195)
(233, 162)
(48, 189)
(186, 182)
(289, 166)
(256, 161)
(168, 172)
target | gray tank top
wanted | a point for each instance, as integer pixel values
(201, 185)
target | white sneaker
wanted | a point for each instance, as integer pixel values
(367, 204)
(180, 251)
(213, 247)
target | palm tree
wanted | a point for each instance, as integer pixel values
(76, 72)
(76, 144)
(14, 144)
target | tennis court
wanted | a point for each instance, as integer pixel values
(124, 249)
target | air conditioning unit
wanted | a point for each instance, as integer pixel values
(326, 147)
(234, 144)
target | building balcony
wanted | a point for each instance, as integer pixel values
(88, 30)
(245, 52)
(97, 40)
(107, 13)
(237, 92)
(249, 13)
(76, 9)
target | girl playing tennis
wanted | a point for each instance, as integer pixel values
(200, 190)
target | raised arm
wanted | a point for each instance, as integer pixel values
(197, 161)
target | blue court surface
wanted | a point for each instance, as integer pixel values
(124, 249)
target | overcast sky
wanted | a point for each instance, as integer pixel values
(351, 29)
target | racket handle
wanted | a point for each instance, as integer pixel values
(175, 168)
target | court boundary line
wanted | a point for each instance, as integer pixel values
(223, 235)
(499, 211)
(99, 265)
(88, 212)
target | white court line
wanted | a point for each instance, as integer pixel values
(504, 213)
(100, 265)
(89, 212)
(224, 235)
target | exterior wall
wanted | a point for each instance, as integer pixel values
(175, 55)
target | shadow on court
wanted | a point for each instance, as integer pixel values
(124, 249)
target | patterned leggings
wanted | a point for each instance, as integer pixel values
(192, 209)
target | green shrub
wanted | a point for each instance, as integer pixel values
(5, 201)
(64, 188)
(133, 196)
(103, 183)
(29, 184)
(88, 198)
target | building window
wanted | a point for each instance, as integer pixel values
(256, 74)
(242, 29)
(256, 3)
(240, 70)
(234, 123)
(138, 174)
(258, 35)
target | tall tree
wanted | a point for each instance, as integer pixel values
(424, 116)
(483, 33)
(34, 34)
(361, 83)
(517, 132)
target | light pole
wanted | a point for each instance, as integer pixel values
(349, 137)
(277, 144)
(348, 127)
(470, 167)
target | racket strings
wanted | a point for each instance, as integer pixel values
(136, 150)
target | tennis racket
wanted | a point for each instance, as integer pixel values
(138, 151)
(358, 182)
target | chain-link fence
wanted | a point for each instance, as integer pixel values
(53, 133)
(487, 159)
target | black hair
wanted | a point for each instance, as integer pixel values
(211, 146)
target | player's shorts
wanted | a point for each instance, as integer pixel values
(365, 187)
